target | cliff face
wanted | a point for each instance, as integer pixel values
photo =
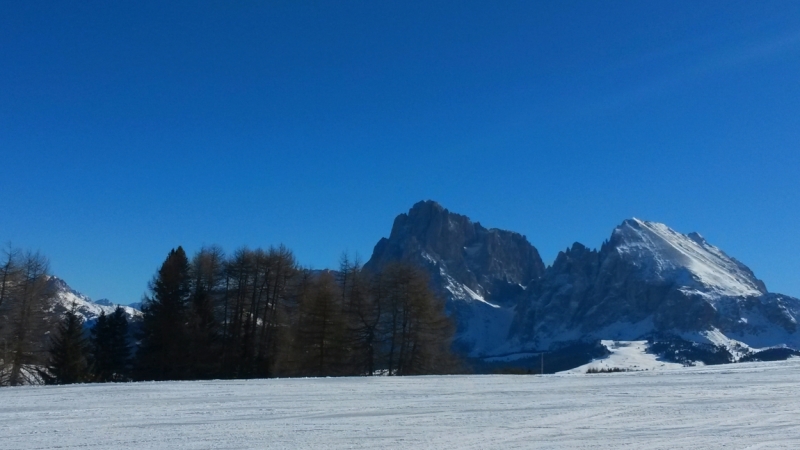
(481, 272)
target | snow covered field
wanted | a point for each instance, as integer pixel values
(752, 405)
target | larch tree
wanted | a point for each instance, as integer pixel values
(417, 333)
(27, 296)
(362, 309)
(207, 284)
(320, 329)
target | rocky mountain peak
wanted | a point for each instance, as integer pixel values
(646, 279)
(649, 278)
(89, 310)
(481, 271)
(472, 254)
(688, 260)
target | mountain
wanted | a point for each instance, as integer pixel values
(482, 272)
(86, 308)
(651, 279)
(648, 282)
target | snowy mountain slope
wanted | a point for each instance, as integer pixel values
(86, 308)
(700, 267)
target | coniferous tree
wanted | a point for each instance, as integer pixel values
(110, 347)
(256, 315)
(120, 345)
(281, 270)
(9, 280)
(164, 338)
(26, 296)
(320, 329)
(416, 330)
(362, 308)
(253, 310)
(207, 277)
(100, 335)
(69, 352)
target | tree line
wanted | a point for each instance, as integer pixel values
(257, 313)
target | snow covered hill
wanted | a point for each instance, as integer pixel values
(747, 405)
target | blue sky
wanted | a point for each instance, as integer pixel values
(128, 128)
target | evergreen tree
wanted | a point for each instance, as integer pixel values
(164, 337)
(207, 277)
(68, 352)
(99, 339)
(120, 346)
(110, 348)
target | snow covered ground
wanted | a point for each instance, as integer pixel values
(627, 355)
(752, 405)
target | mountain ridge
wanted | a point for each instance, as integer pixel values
(86, 308)
(645, 280)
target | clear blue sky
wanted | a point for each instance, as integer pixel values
(128, 127)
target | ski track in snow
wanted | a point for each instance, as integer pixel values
(751, 405)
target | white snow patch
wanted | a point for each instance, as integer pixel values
(461, 291)
(717, 337)
(627, 355)
(429, 258)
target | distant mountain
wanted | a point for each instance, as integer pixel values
(89, 310)
(646, 282)
(649, 279)
(136, 305)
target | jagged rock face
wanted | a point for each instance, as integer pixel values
(482, 272)
(648, 278)
(473, 255)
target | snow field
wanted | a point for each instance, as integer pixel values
(627, 355)
(753, 405)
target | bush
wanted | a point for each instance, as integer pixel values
(608, 370)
